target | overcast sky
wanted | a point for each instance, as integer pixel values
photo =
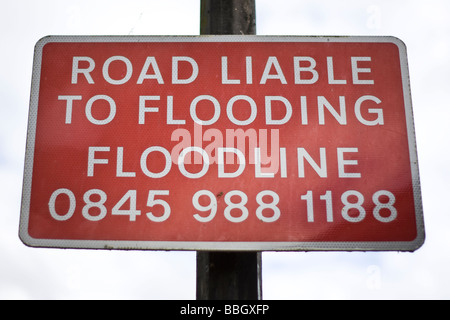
(27, 273)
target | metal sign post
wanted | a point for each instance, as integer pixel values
(228, 275)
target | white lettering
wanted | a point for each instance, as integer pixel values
(150, 61)
(112, 110)
(341, 117)
(175, 75)
(119, 167)
(170, 119)
(182, 168)
(378, 121)
(85, 71)
(92, 160)
(310, 69)
(342, 163)
(221, 163)
(330, 69)
(249, 69)
(225, 79)
(304, 155)
(69, 104)
(143, 109)
(273, 61)
(356, 71)
(252, 107)
(127, 76)
(193, 110)
(287, 105)
(258, 171)
(167, 166)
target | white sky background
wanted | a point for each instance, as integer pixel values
(27, 273)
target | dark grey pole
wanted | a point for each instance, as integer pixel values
(228, 275)
(228, 17)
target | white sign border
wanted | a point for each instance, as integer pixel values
(219, 246)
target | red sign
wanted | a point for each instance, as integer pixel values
(221, 143)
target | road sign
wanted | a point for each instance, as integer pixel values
(221, 143)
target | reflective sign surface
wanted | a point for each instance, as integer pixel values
(221, 143)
